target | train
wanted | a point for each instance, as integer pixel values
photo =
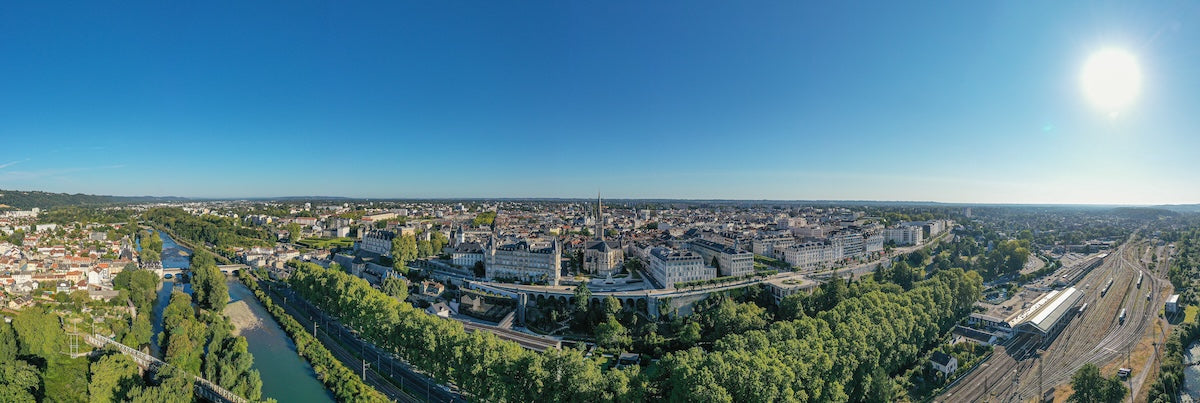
(1104, 291)
(1122, 317)
(1140, 277)
(1082, 308)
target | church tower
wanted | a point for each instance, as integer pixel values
(599, 218)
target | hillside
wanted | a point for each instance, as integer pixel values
(26, 199)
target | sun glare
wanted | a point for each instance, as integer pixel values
(1111, 79)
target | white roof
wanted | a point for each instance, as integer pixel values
(1049, 309)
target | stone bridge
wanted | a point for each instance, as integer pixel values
(204, 388)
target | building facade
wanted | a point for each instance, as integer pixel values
(467, 254)
(813, 255)
(772, 246)
(731, 261)
(602, 257)
(904, 235)
(378, 242)
(523, 262)
(670, 267)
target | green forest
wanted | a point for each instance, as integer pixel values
(849, 351)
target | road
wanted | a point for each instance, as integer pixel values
(384, 372)
(534, 343)
(1016, 373)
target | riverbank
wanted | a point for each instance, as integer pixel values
(285, 376)
(344, 383)
(187, 243)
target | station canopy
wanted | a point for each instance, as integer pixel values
(1047, 311)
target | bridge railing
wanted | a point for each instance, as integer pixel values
(203, 386)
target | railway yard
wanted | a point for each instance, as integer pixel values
(1030, 363)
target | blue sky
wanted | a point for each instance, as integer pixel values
(692, 99)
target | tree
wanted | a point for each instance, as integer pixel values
(690, 334)
(611, 334)
(208, 283)
(113, 377)
(295, 231)
(583, 298)
(65, 379)
(396, 287)
(17, 237)
(19, 381)
(424, 248)
(139, 333)
(902, 275)
(8, 342)
(234, 371)
(404, 250)
(148, 256)
(39, 333)
(479, 269)
(172, 386)
(142, 286)
(437, 242)
(611, 306)
(1090, 386)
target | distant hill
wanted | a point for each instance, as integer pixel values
(1181, 208)
(1143, 212)
(27, 199)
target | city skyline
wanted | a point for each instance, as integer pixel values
(557, 100)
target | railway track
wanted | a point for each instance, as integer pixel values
(1015, 373)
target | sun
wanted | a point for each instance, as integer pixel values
(1111, 79)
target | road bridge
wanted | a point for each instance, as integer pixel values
(204, 388)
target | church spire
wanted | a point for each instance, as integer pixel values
(599, 217)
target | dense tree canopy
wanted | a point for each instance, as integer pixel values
(1091, 387)
(113, 377)
(847, 352)
(222, 232)
(142, 286)
(404, 250)
(208, 283)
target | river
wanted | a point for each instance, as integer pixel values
(174, 256)
(1191, 374)
(286, 377)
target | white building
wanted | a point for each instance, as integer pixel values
(378, 242)
(944, 363)
(670, 267)
(874, 243)
(905, 235)
(467, 253)
(731, 261)
(813, 255)
(772, 246)
(523, 262)
(852, 243)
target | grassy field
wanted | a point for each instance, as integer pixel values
(326, 243)
(1189, 313)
